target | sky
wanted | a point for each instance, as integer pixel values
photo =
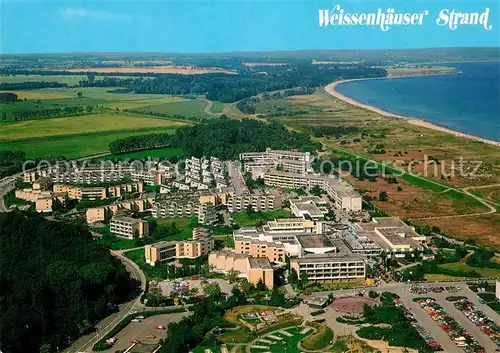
(37, 26)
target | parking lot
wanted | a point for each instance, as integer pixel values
(439, 294)
(144, 331)
(428, 326)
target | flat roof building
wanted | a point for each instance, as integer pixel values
(321, 268)
(129, 227)
(343, 194)
(251, 268)
(169, 251)
(391, 234)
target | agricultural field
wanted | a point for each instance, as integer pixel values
(100, 99)
(91, 123)
(74, 146)
(70, 80)
(167, 69)
(188, 108)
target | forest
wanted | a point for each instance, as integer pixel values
(7, 97)
(30, 85)
(232, 88)
(222, 138)
(11, 162)
(55, 283)
(220, 87)
(49, 113)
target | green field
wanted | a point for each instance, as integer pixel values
(188, 108)
(70, 80)
(155, 153)
(218, 107)
(74, 146)
(91, 123)
(256, 218)
(483, 271)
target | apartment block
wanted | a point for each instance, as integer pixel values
(258, 203)
(98, 214)
(81, 192)
(289, 161)
(169, 251)
(320, 268)
(220, 196)
(129, 227)
(121, 189)
(207, 214)
(344, 196)
(200, 232)
(151, 177)
(275, 252)
(176, 207)
(251, 268)
(161, 252)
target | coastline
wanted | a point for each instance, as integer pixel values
(330, 89)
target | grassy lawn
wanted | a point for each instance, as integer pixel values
(74, 146)
(320, 287)
(112, 241)
(185, 224)
(256, 218)
(90, 123)
(320, 340)
(484, 272)
(218, 107)
(155, 153)
(286, 345)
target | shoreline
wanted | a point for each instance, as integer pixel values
(330, 89)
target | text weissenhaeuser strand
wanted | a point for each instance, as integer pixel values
(386, 19)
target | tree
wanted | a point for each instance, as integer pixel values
(4, 116)
(88, 109)
(293, 278)
(383, 197)
(232, 275)
(246, 286)
(261, 286)
(79, 94)
(317, 191)
(79, 280)
(303, 279)
(212, 290)
(46, 348)
(249, 210)
(91, 77)
(372, 294)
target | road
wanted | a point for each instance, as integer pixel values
(237, 180)
(85, 343)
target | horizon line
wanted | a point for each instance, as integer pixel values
(241, 52)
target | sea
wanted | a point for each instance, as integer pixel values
(468, 102)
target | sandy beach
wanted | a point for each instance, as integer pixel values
(330, 89)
